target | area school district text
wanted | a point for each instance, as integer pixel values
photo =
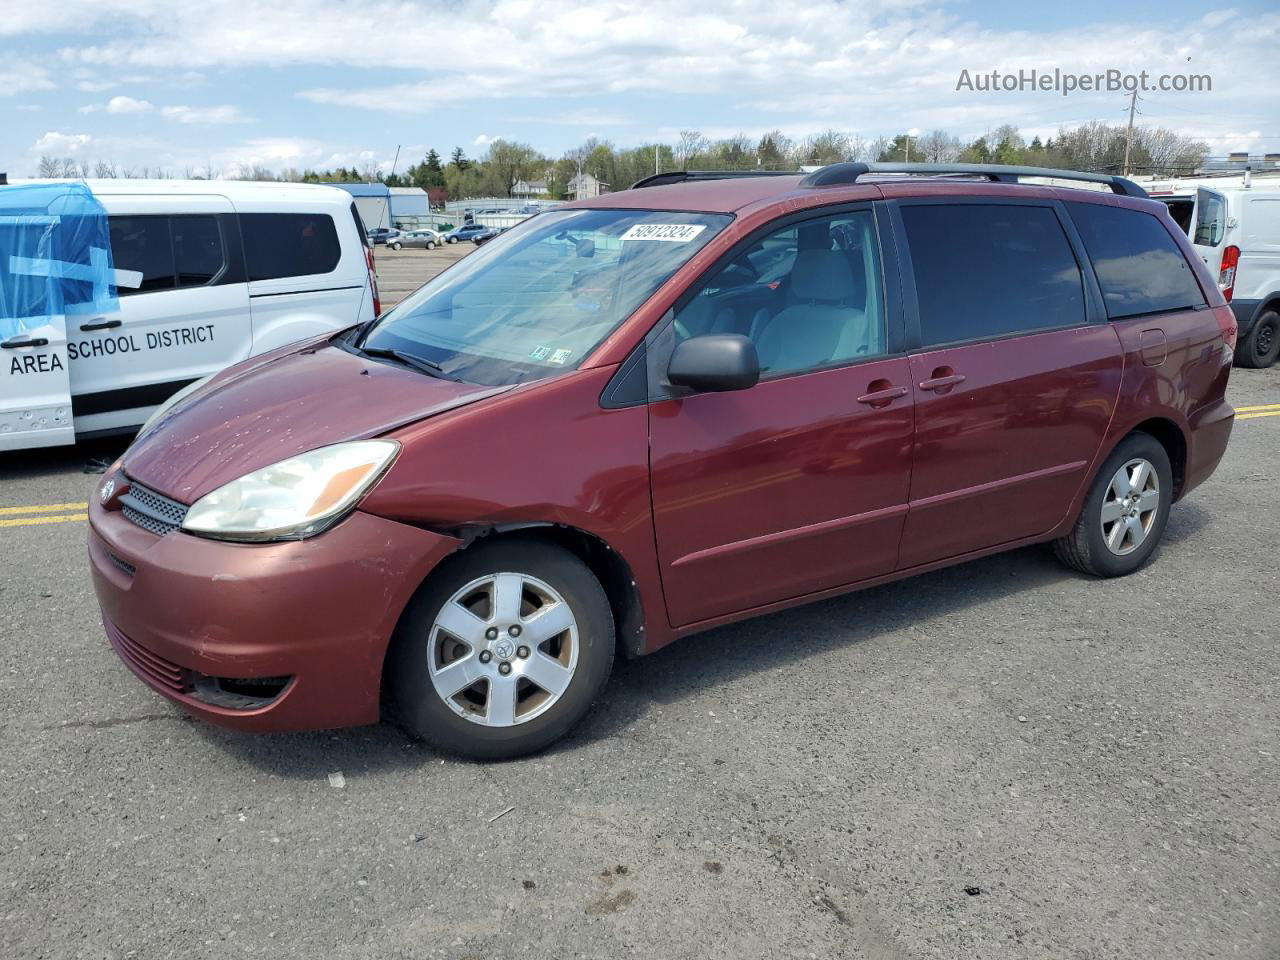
(110, 346)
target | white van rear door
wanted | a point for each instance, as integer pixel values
(1209, 227)
(35, 389)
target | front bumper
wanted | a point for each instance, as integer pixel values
(314, 615)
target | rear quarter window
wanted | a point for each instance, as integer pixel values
(289, 244)
(1140, 268)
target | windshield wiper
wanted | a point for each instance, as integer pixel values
(421, 364)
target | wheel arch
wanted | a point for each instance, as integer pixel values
(1174, 440)
(609, 566)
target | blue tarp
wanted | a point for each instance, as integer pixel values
(55, 255)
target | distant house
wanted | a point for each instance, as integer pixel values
(527, 189)
(584, 186)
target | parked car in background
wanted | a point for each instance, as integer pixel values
(382, 234)
(486, 235)
(467, 231)
(571, 444)
(1235, 228)
(218, 271)
(424, 239)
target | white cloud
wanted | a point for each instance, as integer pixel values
(206, 115)
(484, 140)
(129, 105)
(29, 107)
(23, 76)
(62, 144)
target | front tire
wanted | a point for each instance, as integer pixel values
(502, 650)
(1261, 347)
(1125, 512)
(453, 239)
(397, 245)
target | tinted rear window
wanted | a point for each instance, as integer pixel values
(989, 270)
(1140, 268)
(289, 244)
(197, 249)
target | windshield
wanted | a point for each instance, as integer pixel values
(536, 300)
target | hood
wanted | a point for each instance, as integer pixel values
(274, 407)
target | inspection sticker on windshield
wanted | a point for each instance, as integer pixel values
(670, 232)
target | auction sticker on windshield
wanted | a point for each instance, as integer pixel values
(670, 232)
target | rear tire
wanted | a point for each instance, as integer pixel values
(1124, 513)
(470, 675)
(453, 239)
(1261, 347)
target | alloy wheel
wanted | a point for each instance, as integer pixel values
(503, 649)
(1130, 507)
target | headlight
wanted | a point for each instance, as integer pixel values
(295, 498)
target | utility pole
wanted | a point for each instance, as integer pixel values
(655, 158)
(907, 154)
(1128, 136)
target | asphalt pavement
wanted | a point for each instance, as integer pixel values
(1000, 760)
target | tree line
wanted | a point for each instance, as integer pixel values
(1095, 147)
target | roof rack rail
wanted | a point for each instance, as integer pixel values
(683, 176)
(843, 174)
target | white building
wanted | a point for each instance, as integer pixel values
(584, 187)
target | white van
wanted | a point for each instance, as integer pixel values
(208, 273)
(1234, 224)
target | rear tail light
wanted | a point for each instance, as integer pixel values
(373, 281)
(1227, 275)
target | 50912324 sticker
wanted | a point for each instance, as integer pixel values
(668, 232)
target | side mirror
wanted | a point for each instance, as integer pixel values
(715, 362)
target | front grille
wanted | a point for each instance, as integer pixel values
(152, 511)
(150, 666)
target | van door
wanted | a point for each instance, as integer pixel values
(35, 393)
(1014, 386)
(1209, 227)
(186, 317)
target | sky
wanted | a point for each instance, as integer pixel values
(223, 84)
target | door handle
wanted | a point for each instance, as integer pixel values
(15, 344)
(943, 379)
(100, 325)
(882, 397)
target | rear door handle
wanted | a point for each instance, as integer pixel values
(879, 398)
(101, 325)
(15, 344)
(941, 384)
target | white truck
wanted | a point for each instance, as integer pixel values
(205, 274)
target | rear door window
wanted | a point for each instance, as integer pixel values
(197, 248)
(289, 244)
(1211, 219)
(1140, 268)
(991, 270)
(143, 244)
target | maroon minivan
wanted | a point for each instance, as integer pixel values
(657, 411)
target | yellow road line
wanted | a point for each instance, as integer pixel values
(1255, 416)
(32, 521)
(1260, 406)
(43, 508)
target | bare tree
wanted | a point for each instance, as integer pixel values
(104, 170)
(49, 167)
(691, 143)
(938, 146)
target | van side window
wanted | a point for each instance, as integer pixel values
(289, 244)
(1140, 268)
(143, 245)
(809, 295)
(197, 248)
(185, 250)
(990, 270)
(1211, 217)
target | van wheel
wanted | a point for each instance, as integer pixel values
(1262, 346)
(502, 650)
(1124, 514)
